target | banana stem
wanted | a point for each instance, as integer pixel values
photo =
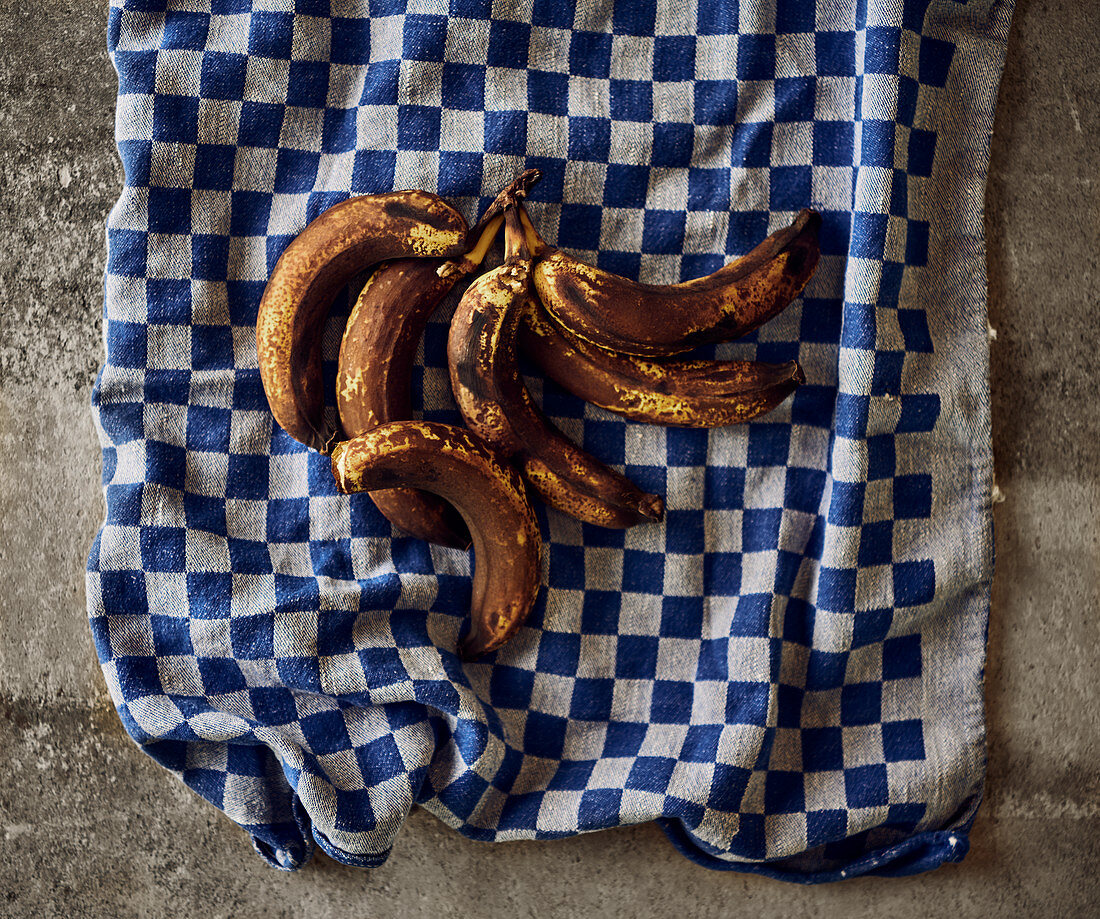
(480, 249)
(515, 192)
(459, 268)
(515, 240)
(536, 245)
(480, 237)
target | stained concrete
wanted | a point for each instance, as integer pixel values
(91, 827)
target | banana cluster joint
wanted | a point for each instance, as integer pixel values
(455, 465)
(497, 406)
(378, 351)
(661, 320)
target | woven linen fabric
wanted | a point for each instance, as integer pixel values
(786, 672)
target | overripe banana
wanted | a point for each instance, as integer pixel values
(496, 405)
(342, 241)
(452, 463)
(623, 315)
(378, 350)
(682, 393)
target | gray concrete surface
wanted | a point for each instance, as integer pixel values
(90, 827)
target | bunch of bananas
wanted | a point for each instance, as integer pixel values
(609, 340)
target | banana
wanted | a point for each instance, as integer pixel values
(623, 315)
(452, 463)
(378, 350)
(334, 247)
(684, 393)
(496, 405)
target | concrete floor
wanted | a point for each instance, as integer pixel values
(91, 827)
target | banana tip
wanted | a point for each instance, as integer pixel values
(809, 219)
(469, 650)
(652, 507)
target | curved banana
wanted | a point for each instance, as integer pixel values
(332, 249)
(452, 463)
(684, 393)
(496, 405)
(623, 315)
(378, 350)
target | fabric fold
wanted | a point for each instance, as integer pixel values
(785, 674)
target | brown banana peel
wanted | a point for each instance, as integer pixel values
(329, 252)
(677, 393)
(661, 320)
(455, 465)
(496, 405)
(379, 348)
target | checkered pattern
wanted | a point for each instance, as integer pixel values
(786, 672)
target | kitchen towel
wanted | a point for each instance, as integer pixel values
(786, 673)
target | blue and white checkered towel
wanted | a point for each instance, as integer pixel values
(786, 673)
